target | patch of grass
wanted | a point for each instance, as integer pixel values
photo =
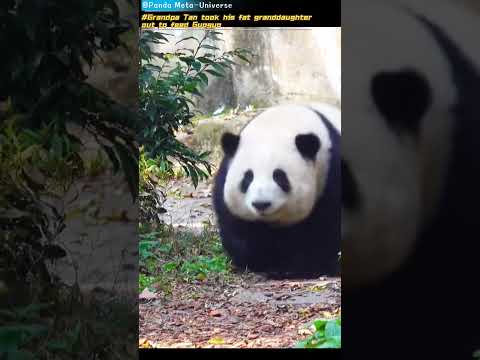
(200, 267)
(260, 104)
(327, 334)
(170, 256)
(145, 281)
(206, 137)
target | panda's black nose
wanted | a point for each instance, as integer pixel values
(261, 205)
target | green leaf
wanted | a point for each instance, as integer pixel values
(203, 78)
(218, 67)
(320, 324)
(130, 167)
(205, 60)
(244, 58)
(230, 62)
(169, 267)
(327, 335)
(193, 174)
(332, 329)
(330, 343)
(187, 59)
(209, 47)
(194, 91)
(196, 65)
(187, 38)
(214, 73)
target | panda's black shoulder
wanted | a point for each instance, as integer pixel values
(333, 133)
(464, 72)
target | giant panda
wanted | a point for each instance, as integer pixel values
(277, 193)
(410, 179)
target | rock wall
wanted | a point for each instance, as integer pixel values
(290, 65)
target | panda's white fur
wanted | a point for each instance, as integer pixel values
(401, 178)
(268, 143)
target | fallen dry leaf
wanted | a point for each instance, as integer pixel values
(216, 341)
(144, 344)
(217, 313)
(146, 294)
(304, 332)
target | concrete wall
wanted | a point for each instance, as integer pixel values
(291, 65)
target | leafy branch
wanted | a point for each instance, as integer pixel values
(169, 83)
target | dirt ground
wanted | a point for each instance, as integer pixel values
(249, 312)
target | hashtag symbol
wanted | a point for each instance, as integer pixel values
(144, 17)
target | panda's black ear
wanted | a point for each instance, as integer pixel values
(230, 143)
(402, 97)
(308, 145)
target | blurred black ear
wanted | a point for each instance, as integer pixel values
(308, 145)
(402, 97)
(230, 143)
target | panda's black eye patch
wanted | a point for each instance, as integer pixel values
(246, 181)
(281, 178)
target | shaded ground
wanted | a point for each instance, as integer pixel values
(100, 233)
(248, 312)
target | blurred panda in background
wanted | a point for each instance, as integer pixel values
(410, 179)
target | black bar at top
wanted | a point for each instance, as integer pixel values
(324, 13)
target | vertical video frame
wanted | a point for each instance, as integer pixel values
(240, 187)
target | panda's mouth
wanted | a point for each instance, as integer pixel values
(267, 210)
(265, 214)
(270, 214)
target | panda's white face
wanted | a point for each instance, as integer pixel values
(400, 124)
(258, 188)
(265, 195)
(278, 166)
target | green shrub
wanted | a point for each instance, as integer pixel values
(168, 83)
(327, 335)
(47, 48)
